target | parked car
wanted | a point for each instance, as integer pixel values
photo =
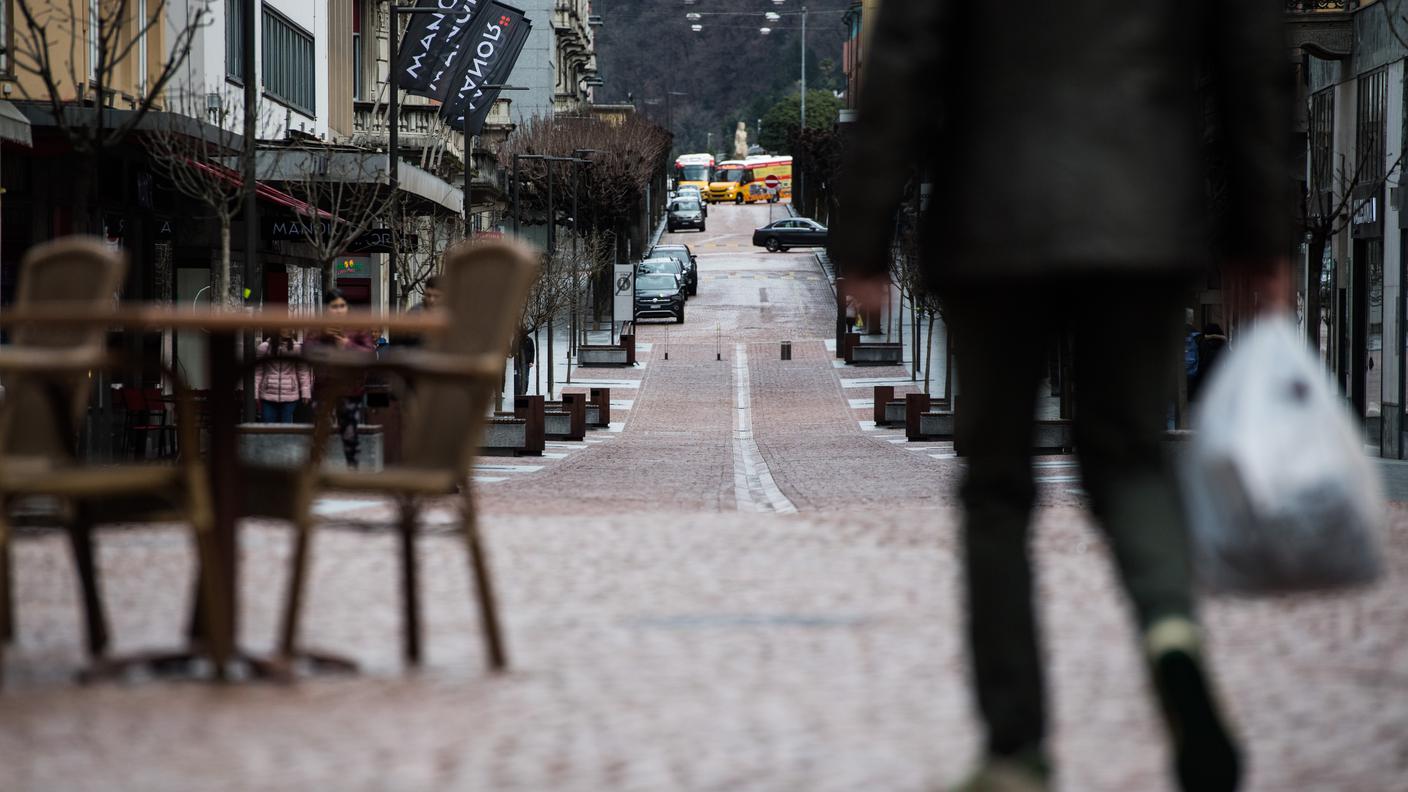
(685, 213)
(690, 191)
(659, 294)
(684, 256)
(791, 232)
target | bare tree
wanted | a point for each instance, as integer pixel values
(344, 189)
(205, 162)
(74, 46)
(1329, 212)
(424, 239)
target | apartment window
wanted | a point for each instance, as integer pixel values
(234, 38)
(288, 63)
(142, 65)
(6, 40)
(358, 82)
(1371, 128)
(1322, 146)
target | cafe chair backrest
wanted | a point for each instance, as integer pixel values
(483, 287)
(78, 274)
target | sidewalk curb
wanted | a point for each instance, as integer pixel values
(823, 261)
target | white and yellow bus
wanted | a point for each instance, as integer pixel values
(694, 170)
(761, 178)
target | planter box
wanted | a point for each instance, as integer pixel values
(1055, 436)
(894, 412)
(567, 419)
(606, 355)
(286, 445)
(935, 425)
(519, 433)
(598, 406)
(876, 355)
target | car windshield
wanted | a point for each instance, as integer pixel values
(660, 265)
(677, 254)
(684, 206)
(730, 175)
(656, 282)
(692, 172)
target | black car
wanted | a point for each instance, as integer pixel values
(685, 213)
(659, 294)
(789, 233)
(669, 264)
(684, 256)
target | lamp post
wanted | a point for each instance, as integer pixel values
(393, 142)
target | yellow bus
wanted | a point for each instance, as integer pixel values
(693, 170)
(761, 178)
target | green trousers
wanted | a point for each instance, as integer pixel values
(1127, 335)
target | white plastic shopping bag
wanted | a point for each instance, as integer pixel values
(1281, 494)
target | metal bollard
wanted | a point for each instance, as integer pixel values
(786, 350)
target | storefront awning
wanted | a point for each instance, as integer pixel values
(14, 126)
(268, 193)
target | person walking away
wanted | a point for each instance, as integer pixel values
(850, 314)
(281, 381)
(1069, 172)
(349, 406)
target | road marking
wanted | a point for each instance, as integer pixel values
(753, 486)
(863, 382)
(857, 404)
(508, 468)
(609, 383)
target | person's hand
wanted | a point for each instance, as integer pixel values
(870, 292)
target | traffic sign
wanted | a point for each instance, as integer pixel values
(772, 181)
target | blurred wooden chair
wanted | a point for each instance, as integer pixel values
(454, 377)
(47, 374)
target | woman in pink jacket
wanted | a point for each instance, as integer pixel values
(281, 381)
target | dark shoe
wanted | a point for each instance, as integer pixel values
(1205, 757)
(1021, 773)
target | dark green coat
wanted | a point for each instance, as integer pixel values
(1069, 137)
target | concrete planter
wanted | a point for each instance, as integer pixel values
(601, 356)
(1056, 436)
(936, 425)
(876, 355)
(286, 445)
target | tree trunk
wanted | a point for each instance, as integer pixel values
(329, 276)
(929, 354)
(222, 276)
(914, 335)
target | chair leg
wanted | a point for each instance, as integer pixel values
(410, 587)
(212, 609)
(81, 537)
(479, 570)
(7, 612)
(7, 602)
(293, 606)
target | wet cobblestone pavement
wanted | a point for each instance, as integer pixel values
(674, 625)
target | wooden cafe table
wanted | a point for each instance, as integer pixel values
(224, 329)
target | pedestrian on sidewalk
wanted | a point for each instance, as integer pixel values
(1069, 169)
(349, 404)
(523, 363)
(850, 314)
(281, 380)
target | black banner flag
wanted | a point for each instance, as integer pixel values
(432, 45)
(487, 58)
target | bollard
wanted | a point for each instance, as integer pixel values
(786, 350)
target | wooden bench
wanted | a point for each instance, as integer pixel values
(888, 410)
(517, 433)
(286, 445)
(598, 407)
(860, 353)
(608, 355)
(566, 419)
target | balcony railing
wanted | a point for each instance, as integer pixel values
(1320, 6)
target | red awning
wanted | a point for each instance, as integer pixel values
(261, 189)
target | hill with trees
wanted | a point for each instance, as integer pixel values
(702, 84)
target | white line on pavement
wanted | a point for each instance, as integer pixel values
(753, 485)
(863, 382)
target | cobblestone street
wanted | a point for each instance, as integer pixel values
(745, 590)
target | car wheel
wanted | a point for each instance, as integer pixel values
(782, 250)
(738, 199)
(772, 245)
(701, 228)
(679, 317)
